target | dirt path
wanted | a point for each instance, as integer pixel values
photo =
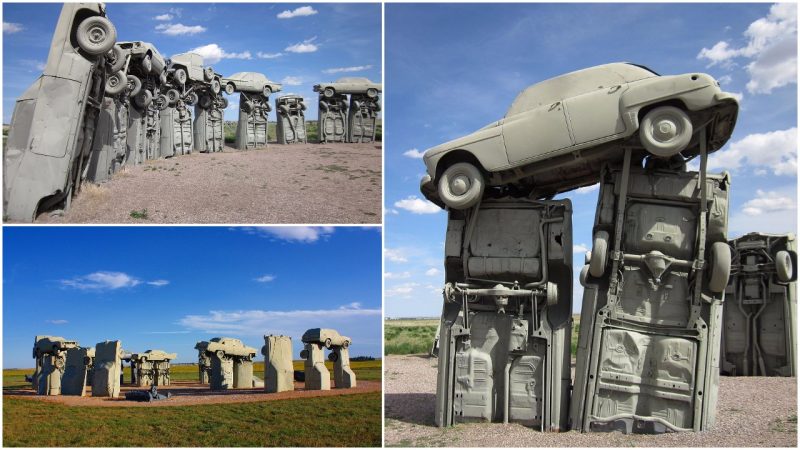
(190, 393)
(301, 183)
(751, 412)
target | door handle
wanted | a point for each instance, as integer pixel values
(554, 106)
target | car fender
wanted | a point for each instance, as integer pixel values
(486, 145)
(695, 94)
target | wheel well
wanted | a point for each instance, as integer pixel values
(457, 156)
(80, 15)
(671, 102)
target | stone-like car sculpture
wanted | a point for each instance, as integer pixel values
(252, 82)
(349, 85)
(52, 128)
(186, 72)
(558, 133)
(326, 336)
(145, 68)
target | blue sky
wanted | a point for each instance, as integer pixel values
(310, 44)
(169, 287)
(463, 65)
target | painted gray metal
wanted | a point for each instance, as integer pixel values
(252, 129)
(363, 119)
(278, 367)
(107, 369)
(231, 363)
(176, 130)
(152, 368)
(649, 346)
(506, 317)
(291, 124)
(250, 82)
(332, 122)
(109, 148)
(317, 376)
(343, 375)
(53, 123)
(349, 85)
(209, 132)
(50, 353)
(759, 335)
(78, 371)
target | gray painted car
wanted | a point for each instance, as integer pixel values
(187, 73)
(349, 85)
(52, 128)
(252, 82)
(326, 336)
(558, 133)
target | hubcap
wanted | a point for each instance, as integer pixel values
(459, 185)
(97, 35)
(665, 129)
(113, 81)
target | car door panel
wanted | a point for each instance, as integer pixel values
(536, 132)
(596, 114)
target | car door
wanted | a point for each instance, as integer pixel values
(596, 114)
(536, 132)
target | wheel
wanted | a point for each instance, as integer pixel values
(134, 85)
(215, 87)
(598, 258)
(180, 76)
(191, 99)
(283, 110)
(161, 102)
(115, 59)
(223, 102)
(247, 106)
(302, 106)
(173, 96)
(346, 344)
(205, 102)
(230, 88)
(163, 78)
(147, 64)
(328, 92)
(328, 343)
(552, 294)
(665, 131)
(461, 185)
(267, 91)
(372, 92)
(719, 263)
(324, 106)
(377, 106)
(144, 98)
(96, 35)
(116, 83)
(584, 275)
(783, 266)
(208, 73)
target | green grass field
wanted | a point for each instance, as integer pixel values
(345, 420)
(311, 130)
(409, 337)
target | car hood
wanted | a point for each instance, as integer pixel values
(462, 141)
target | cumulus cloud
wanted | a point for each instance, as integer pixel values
(179, 29)
(11, 28)
(158, 283)
(57, 321)
(588, 189)
(163, 17)
(263, 55)
(292, 81)
(101, 281)
(213, 53)
(775, 150)
(579, 248)
(307, 46)
(396, 275)
(417, 205)
(414, 153)
(292, 234)
(770, 52)
(767, 212)
(766, 202)
(401, 290)
(348, 69)
(395, 255)
(265, 278)
(297, 12)
(432, 272)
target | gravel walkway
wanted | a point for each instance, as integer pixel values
(752, 412)
(301, 183)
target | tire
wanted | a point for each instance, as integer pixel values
(461, 185)
(147, 64)
(719, 267)
(230, 88)
(328, 343)
(372, 92)
(173, 96)
(191, 99)
(584, 275)
(163, 78)
(673, 134)
(223, 102)
(328, 92)
(161, 102)
(552, 294)
(783, 266)
(134, 85)
(302, 106)
(205, 102)
(377, 107)
(324, 106)
(179, 76)
(599, 256)
(247, 106)
(115, 59)
(96, 35)
(283, 110)
(144, 98)
(208, 73)
(116, 83)
(267, 91)
(215, 87)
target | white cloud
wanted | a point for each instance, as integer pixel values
(725, 79)
(292, 81)
(163, 17)
(414, 153)
(158, 283)
(306, 46)
(587, 189)
(400, 290)
(179, 29)
(11, 28)
(348, 69)
(766, 202)
(213, 53)
(57, 321)
(771, 50)
(352, 305)
(738, 96)
(292, 234)
(397, 275)
(102, 281)
(297, 12)
(417, 205)
(579, 248)
(263, 55)
(391, 212)
(265, 278)
(432, 272)
(776, 150)
(395, 255)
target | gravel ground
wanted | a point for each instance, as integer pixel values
(300, 183)
(752, 412)
(190, 393)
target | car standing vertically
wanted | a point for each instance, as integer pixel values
(52, 127)
(558, 133)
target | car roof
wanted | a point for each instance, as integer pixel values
(353, 80)
(575, 83)
(246, 75)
